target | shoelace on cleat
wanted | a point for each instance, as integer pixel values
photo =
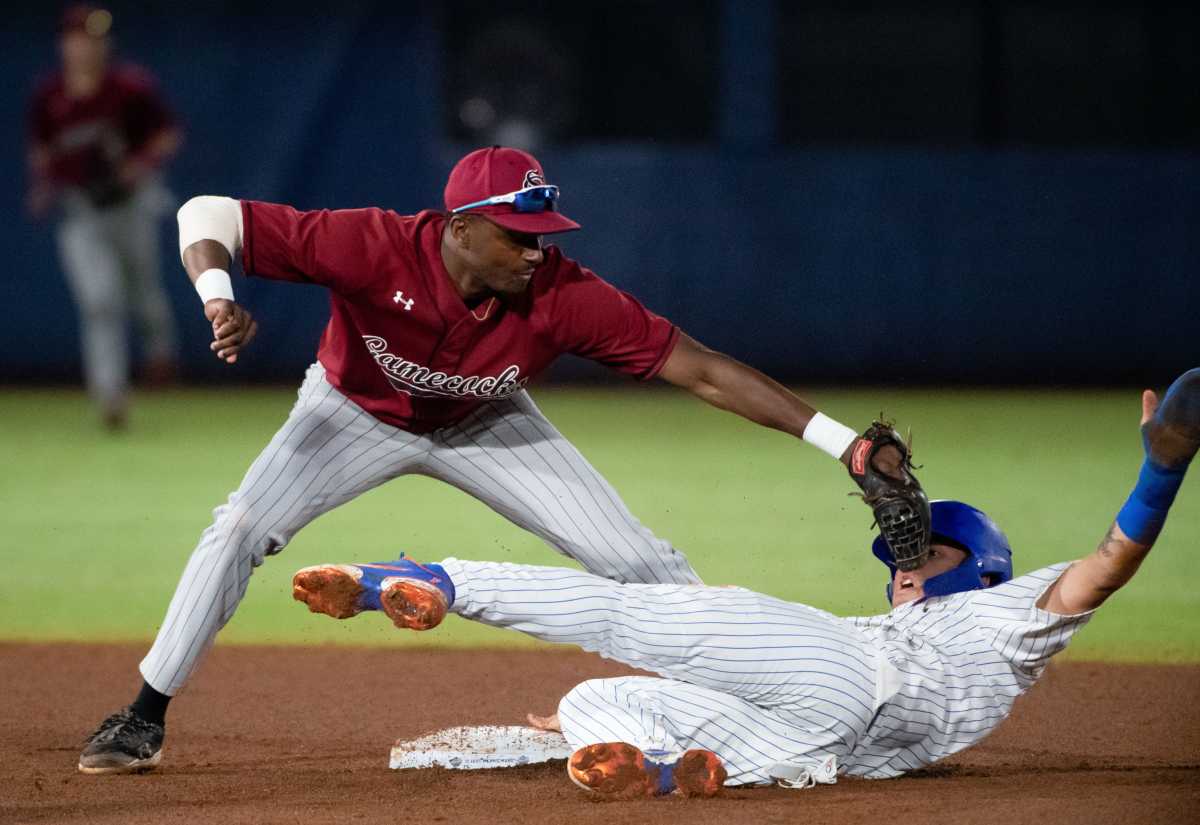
(434, 576)
(121, 724)
(110, 723)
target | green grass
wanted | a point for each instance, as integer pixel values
(97, 528)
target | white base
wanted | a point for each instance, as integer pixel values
(480, 747)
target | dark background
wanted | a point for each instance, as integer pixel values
(835, 192)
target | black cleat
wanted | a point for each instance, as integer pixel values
(124, 743)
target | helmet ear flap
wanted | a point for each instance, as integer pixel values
(880, 549)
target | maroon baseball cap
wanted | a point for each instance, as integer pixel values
(499, 170)
(85, 19)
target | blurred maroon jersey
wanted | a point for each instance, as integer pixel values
(89, 139)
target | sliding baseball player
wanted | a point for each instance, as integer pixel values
(754, 690)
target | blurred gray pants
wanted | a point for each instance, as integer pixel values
(111, 261)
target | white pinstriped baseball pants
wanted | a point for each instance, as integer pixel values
(506, 454)
(757, 680)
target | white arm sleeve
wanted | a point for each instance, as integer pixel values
(214, 218)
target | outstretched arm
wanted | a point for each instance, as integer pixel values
(1171, 434)
(878, 461)
(1088, 582)
(730, 385)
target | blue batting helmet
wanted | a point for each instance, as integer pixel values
(962, 526)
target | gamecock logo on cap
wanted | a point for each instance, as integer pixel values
(533, 178)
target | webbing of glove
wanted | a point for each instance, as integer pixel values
(900, 505)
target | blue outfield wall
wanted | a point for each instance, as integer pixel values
(907, 266)
(823, 265)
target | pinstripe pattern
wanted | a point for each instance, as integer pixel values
(673, 716)
(330, 451)
(755, 679)
(761, 681)
(962, 660)
(509, 445)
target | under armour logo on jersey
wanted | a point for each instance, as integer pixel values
(400, 299)
(533, 178)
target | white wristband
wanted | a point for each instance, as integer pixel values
(829, 436)
(215, 283)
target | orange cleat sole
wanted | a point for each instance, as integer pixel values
(332, 589)
(336, 590)
(619, 769)
(413, 604)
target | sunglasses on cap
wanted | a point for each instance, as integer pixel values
(529, 199)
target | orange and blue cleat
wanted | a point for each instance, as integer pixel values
(619, 769)
(414, 596)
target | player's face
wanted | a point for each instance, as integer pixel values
(501, 259)
(82, 52)
(910, 586)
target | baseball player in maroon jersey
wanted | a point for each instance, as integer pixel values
(437, 322)
(98, 136)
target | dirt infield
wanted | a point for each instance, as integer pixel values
(302, 736)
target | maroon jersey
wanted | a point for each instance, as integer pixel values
(403, 345)
(89, 138)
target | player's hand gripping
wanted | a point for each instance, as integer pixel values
(233, 328)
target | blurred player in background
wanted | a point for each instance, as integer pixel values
(99, 135)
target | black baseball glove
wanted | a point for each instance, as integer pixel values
(893, 493)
